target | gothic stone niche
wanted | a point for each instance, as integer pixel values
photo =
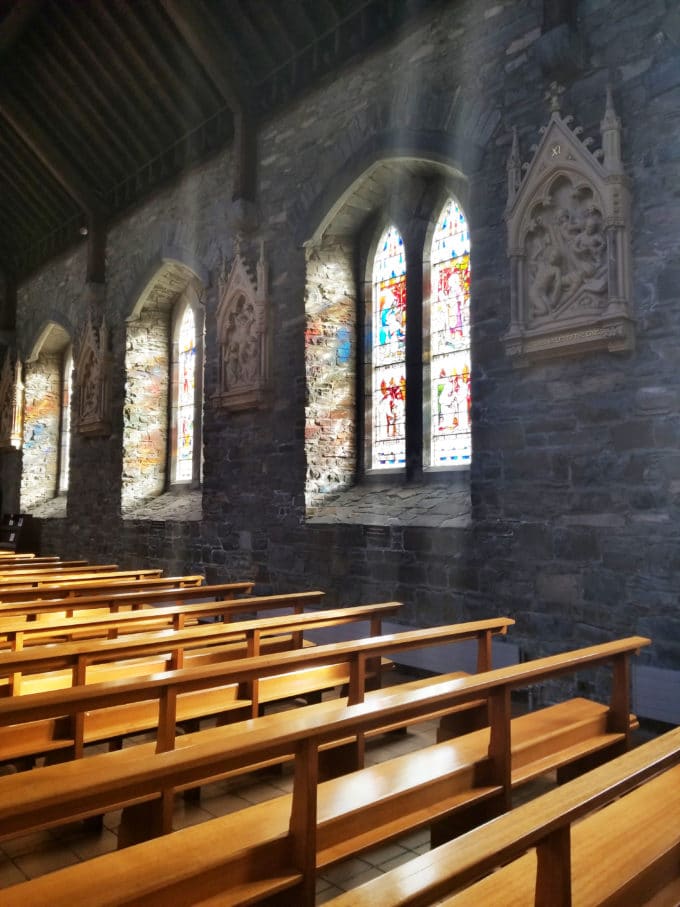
(243, 337)
(11, 403)
(568, 225)
(93, 380)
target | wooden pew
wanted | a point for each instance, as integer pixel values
(101, 615)
(81, 586)
(38, 580)
(56, 571)
(611, 836)
(89, 661)
(38, 564)
(104, 711)
(273, 849)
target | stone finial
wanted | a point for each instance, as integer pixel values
(611, 136)
(514, 167)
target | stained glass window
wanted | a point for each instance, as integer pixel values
(450, 441)
(389, 352)
(186, 397)
(65, 426)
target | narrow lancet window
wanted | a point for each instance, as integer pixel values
(450, 436)
(388, 366)
(186, 397)
(65, 422)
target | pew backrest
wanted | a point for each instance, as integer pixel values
(78, 587)
(543, 823)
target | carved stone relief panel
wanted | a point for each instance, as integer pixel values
(243, 336)
(11, 403)
(568, 225)
(93, 380)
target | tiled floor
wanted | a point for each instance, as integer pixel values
(35, 854)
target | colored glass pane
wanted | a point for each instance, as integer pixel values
(388, 447)
(65, 427)
(450, 437)
(186, 397)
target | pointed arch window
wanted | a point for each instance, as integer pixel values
(65, 421)
(186, 398)
(184, 466)
(388, 366)
(449, 340)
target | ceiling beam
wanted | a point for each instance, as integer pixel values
(16, 22)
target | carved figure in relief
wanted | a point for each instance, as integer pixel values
(241, 364)
(545, 279)
(567, 255)
(89, 393)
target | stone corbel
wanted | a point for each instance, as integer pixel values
(11, 403)
(568, 221)
(243, 336)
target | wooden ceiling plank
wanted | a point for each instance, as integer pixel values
(119, 36)
(49, 155)
(195, 24)
(34, 195)
(60, 73)
(43, 110)
(240, 15)
(280, 25)
(273, 34)
(16, 22)
(159, 26)
(130, 122)
(294, 11)
(104, 63)
(50, 196)
(115, 61)
(73, 111)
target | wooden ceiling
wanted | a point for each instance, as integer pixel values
(102, 101)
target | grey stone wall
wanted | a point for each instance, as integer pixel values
(575, 485)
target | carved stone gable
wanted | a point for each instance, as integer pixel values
(93, 380)
(243, 336)
(11, 403)
(568, 222)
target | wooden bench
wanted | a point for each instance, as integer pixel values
(101, 615)
(273, 849)
(108, 710)
(611, 836)
(37, 564)
(56, 571)
(59, 666)
(36, 579)
(72, 588)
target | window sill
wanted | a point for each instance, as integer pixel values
(170, 507)
(54, 509)
(431, 504)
